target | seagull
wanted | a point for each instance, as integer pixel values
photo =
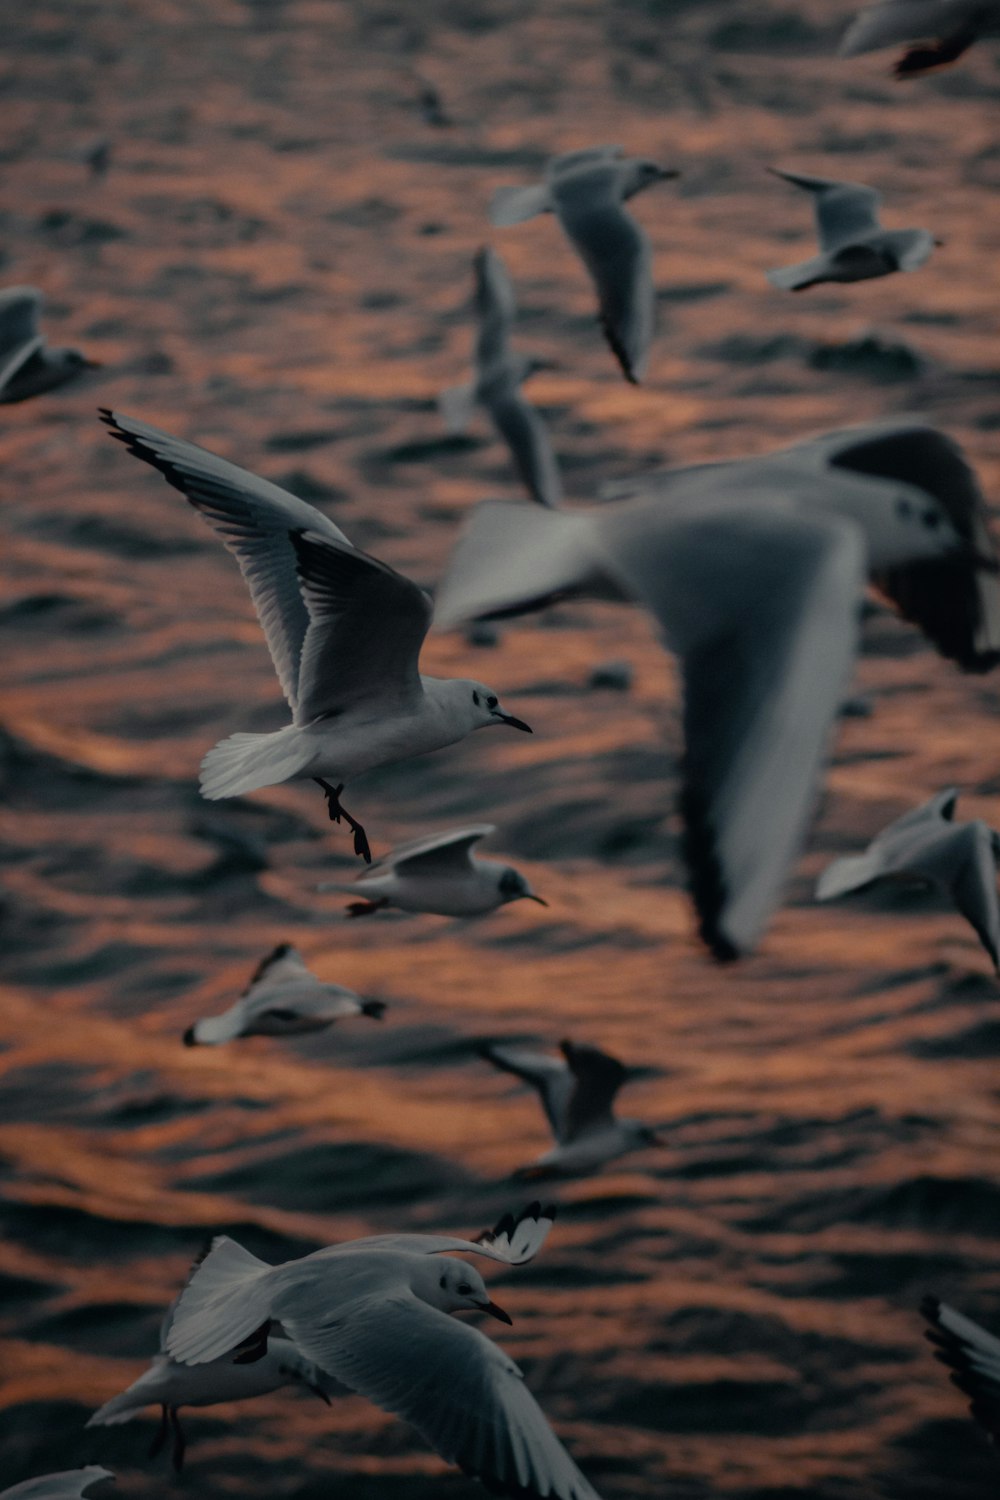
(853, 245)
(27, 366)
(68, 1484)
(497, 386)
(960, 859)
(586, 190)
(373, 1314)
(170, 1385)
(942, 30)
(438, 873)
(577, 1096)
(753, 572)
(283, 998)
(343, 629)
(972, 1355)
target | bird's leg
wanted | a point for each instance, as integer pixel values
(337, 811)
(366, 908)
(178, 1453)
(160, 1436)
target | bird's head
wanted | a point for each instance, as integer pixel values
(484, 707)
(453, 1286)
(513, 887)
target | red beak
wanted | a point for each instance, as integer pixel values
(497, 1312)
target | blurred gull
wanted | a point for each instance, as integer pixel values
(170, 1386)
(68, 1484)
(577, 1096)
(753, 572)
(284, 998)
(497, 386)
(853, 244)
(27, 366)
(972, 1355)
(374, 1315)
(438, 873)
(343, 629)
(960, 859)
(942, 29)
(586, 190)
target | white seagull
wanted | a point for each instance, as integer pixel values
(577, 1095)
(68, 1484)
(853, 245)
(438, 873)
(284, 998)
(497, 385)
(925, 845)
(972, 1355)
(941, 29)
(343, 629)
(753, 572)
(27, 365)
(587, 190)
(373, 1314)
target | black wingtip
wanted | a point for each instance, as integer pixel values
(190, 1040)
(706, 880)
(374, 1008)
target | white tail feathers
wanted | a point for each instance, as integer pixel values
(226, 1300)
(512, 205)
(211, 1031)
(127, 1403)
(246, 762)
(794, 278)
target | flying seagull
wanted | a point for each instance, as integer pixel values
(374, 1314)
(27, 365)
(283, 998)
(972, 1355)
(925, 845)
(497, 384)
(68, 1484)
(753, 573)
(344, 632)
(586, 190)
(577, 1094)
(940, 29)
(853, 245)
(438, 873)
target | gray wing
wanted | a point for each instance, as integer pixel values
(962, 860)
(70, 1484)
(366, 626)
(570, 160)
(843, 210)
(516, 1239)
(972, 1355)
(282, 963)
(617, 253)
(254, 518)
(525, 435)
(496, 308)
(19, 310)
(903, 21)
(464, 1396)
(550, 1077)
(891, 851)
(597, 1078)
(449, 852)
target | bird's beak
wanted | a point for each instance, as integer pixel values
(530, 896)
(514, 723)
(667, 172)
(190, 1040)
(496, 1312)
(940, 243)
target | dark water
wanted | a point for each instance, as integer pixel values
(277, 265)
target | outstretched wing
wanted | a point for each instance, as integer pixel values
(70, 1484)
(496, 308)
(617, 253)
(598, 1077)
(516, 1239)
(902, 21)
(445, 853)
(551, 1078)
(972, 1355)
(254, 518)
(526, 436)
(961, 859)
(843, 210)
(19, 309)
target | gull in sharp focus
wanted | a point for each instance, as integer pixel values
(344, 632)
(374, 1314)
(438, 873)
(284, 998)
(586, 190)
(497, 386)
(925, 845)
(27, 365)
(941, 30)
(170, 1385)
(853, 245)
(577, 1094)
(972, 1355)
(68, 1484)
(753, 572)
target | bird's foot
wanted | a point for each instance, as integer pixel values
(366, 908)
(177, 1456)
(337, 811)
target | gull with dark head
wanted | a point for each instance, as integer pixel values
(438, 873)
(68, 1484)
(587, 190)
(27, 365)
(853, 244)
(577, 1094)
(927, 846)
(940, 30)
(375, 1315)
(344, 632)
(284, 998)
(500, 374)
(973, 1357)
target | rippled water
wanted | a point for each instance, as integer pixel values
(277, 265)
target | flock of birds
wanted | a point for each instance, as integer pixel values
(754, 571)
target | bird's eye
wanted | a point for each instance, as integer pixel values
(492, 701)
(475, 698)
(444, 1282)
(904, 508)
(464, 1288)
(931, 518)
